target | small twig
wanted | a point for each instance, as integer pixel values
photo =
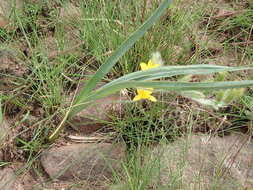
(89, 139)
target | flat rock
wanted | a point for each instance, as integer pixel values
(94, 117)
(91, 162)
(203, 161)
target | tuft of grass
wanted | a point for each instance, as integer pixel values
(147, 124)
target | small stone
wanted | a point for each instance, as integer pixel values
(70, 16)
(89, 162)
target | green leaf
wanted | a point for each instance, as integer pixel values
(172, 86)
(169, 71)
(200, 98)
(232, 94)
(160, 85)
(125, 46)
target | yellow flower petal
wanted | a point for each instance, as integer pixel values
(143, 93)
(146, 93)
(152, 65)
(137, 97)
(152, 98)
(144, 66)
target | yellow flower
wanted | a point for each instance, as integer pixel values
(144, 94)
(149, 65)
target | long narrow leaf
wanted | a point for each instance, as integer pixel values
(173, 86)
(161, 85)
(125, 46)
(169, 71)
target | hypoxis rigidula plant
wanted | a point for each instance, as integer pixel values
(145, 79)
